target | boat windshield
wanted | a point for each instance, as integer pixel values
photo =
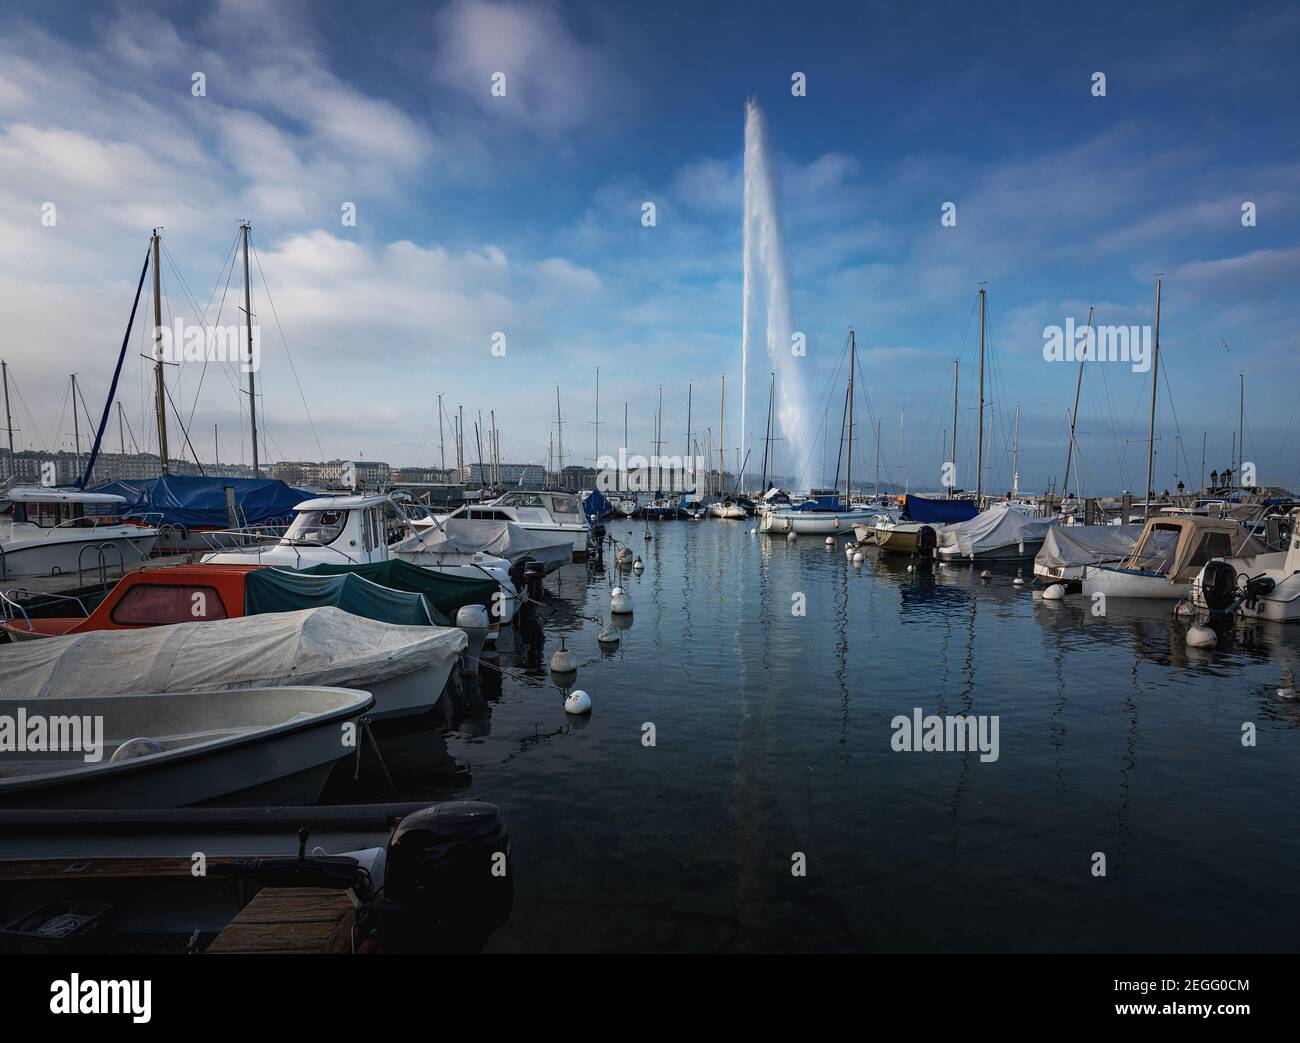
(322, 527)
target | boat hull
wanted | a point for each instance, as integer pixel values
(1012, 553)
(1129, 583)
(54, 557)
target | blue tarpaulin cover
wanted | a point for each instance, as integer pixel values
(192, 501)
(594, 502)
(938, 512)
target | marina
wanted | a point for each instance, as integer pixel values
(440, 517)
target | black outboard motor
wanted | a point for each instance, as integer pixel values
(926, 540)
(1219, 586)
(448, 880)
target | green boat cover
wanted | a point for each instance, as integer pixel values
(444, 593)
(283, 590)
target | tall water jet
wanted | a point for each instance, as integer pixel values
(766, 288)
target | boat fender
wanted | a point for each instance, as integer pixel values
(137, 747)
(474, 621)
(578, 703)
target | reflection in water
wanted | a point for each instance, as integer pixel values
(772, 738)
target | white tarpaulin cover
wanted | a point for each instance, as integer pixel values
(318, 646)
(1069, 546)
(1002, 526)
(464, 537)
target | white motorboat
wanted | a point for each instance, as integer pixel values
(727, 509)
(404, 667)
(457, 540)
(624, 506)
(249, 745)
(49, 532)
(1261, 586)
(342, 530)
(547, 511)
(1069, 549)
(1005, 533)
(1157, 570)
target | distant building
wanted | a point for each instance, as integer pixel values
(424, 476)
(530, 476)
(370, 474)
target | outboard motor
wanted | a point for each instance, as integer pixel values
(448, 880)
(1215, 588)
(926, 540)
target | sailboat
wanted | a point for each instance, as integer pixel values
(825, 513)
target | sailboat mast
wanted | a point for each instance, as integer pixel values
(877, 459)
(559, 439)
(76, 427)
(121, 432)
(9, 419)
(848, 470)
(1241, 424)
(442, 446)
(1074, 417)
(689, 389)
(1204, 436)
(248, 318)
(1155, 383)
(979, 455)
(767, 442)
(159, 394)
(953, 458)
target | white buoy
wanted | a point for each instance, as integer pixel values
(1018, 582)
(647, 535)
(473, 619)
(1184, 608)
(1286, 693)
(1055, 592)
(985, 574)
(564, 661)
(830, 541)
(753, 531)
(620, 602)
(637, 566)
(624, 556)
(1199, 636)
(791, 536)
(858, 558)
(578, 703)
(608, 637)
(911, 568)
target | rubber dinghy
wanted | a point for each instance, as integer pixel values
(405, 667)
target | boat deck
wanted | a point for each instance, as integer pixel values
(290, 920)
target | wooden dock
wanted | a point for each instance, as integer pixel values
(291, 920)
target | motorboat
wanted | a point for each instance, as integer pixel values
(404, 667)
(50, 532)
(692, 508)
(1169, 553)
(625, 506)
(1005, 533)
(919, 522)
(547, 511)
(390, 591)
(1260, 586)
(240, 746)
(399, 877)
(1069, 549)
(456, 540)
(865, 532)
(660, 508)
(354, 530)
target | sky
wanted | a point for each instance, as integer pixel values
(524, 214)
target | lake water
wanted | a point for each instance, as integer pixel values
(773, 741)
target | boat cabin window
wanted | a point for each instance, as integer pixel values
(394, 523)
(46, 515)
(1213, 545)
(485, 513)
(323, 527)
(157, 604)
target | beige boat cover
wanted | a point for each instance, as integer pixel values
(317, 646)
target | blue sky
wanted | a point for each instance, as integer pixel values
(522, 214)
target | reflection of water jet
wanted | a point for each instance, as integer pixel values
(764, 267)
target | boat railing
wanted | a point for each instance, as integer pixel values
(13, 608)
(101, 561)
(245, 538)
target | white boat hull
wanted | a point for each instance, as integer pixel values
(819, 523)
(58, 554)
(1118, 583)
(263, 754)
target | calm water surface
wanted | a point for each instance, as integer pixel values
(773, 737)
